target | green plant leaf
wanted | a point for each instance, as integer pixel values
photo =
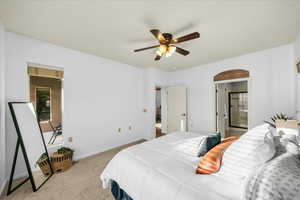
(64, 150)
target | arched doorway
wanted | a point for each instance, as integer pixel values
(231, 103)
(232, 74)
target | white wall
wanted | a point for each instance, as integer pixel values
(272, 86)
(2, 111)
(100, 95)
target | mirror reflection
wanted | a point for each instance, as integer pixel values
(32, 144)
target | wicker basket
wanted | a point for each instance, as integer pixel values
(61, 161)
(44, 166)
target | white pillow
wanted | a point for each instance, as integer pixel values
(191, 146)
(253, 149)
(292, 148)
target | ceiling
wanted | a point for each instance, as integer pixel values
(113, 29)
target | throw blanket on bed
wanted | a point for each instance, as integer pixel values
(278, 179)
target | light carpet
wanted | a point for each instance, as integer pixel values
(81, 182)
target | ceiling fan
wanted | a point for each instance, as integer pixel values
(167, 43)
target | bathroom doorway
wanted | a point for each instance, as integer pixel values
(232, 108)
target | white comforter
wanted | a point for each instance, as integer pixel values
(164, 168)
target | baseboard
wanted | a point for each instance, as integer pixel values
(2, 187)
(104, 150)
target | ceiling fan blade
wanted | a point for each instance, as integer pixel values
(182, 51)
(157, 34)
(142, 49)
(157, 57)
(186, 38)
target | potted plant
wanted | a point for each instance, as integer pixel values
(276, 117)
(65, 150)
(43, 163)
(62, 159)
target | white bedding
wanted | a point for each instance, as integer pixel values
(164, 168)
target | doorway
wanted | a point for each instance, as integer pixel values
(232, 108)
(171, 109)
(158, 115)
(46, 94)
(177, 108)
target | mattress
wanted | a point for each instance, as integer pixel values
(164, 168)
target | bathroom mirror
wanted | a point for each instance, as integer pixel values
(31, 144)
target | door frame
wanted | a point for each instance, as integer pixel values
(215, 109)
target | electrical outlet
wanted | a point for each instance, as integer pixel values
(70, 139)
(130, 128)
(119, 130)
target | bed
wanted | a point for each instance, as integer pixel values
(164, 168)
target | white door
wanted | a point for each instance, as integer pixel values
(176, 104)
(221, 108)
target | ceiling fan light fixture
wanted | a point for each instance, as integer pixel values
(170, 51)
(158, 52)
(167, 44)
(163, 49)
(168, 55)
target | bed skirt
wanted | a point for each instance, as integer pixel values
(118, 193)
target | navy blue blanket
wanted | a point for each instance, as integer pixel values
(118, 193)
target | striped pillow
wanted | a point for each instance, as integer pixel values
(211, 162)
(253, 149)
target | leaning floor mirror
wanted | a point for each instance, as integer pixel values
(30, 147)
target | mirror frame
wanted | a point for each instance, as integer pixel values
(20, 144)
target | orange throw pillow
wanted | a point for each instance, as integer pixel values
(211, 162)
